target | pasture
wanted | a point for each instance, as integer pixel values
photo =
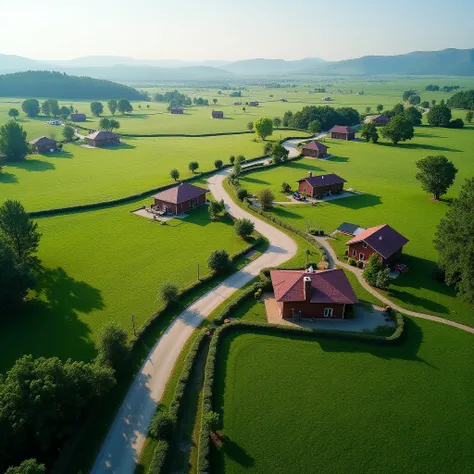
(392, 195)
(295, 404)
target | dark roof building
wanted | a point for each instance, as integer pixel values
(254, 103)
(379, 120)
(342, 132)
(217, 114)
(43, 145)
(315, 149)
(102, 138)
(177, 110)
(316, 186)
(350, 229)
(180, 198)
(78, 117)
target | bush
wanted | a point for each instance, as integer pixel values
(218, 164)
(169, 292)
(360, 264)
(232, 159)
(242, 194)
(159, 458)
(456, 123)
(30, 466)
(218, 261)
(285, 187)
(265, 198)
(112, 346)
(161, 426)
(258, 294)
(352, 262)
(244, 227)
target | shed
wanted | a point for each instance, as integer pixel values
(102, 138)
(217, 114)
(43, 145)
(315, 149)
(180, 198)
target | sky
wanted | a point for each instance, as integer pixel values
(232, 30)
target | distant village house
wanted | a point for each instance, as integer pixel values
(43, 145)
(217, 114)
(78, 117)
(379, 120)
(102, 138)
(315, 149)
(177, 110)
(180, 198)
(253, 104)
(342, 132)
(315, 186)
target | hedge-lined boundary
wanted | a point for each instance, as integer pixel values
(204, 446)
(162, 448)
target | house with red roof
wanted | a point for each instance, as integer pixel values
(179, 199)
(342, 132)
(308, 294)
(383, 240)
(315, 149)
(315, 186)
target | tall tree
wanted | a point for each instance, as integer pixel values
(263, 127)
(112, 346)
(439, 115)
(379, 108)
(31, 107)
(406, 95)
(250, 126)
(214, 101)
(369, 132)
(174, 174)
(13, 113)
(114, 124)
(104, 123)
(193, 166)
(413, 115)
(277, 122)
(68, 133)
(279, 152)
(314, 127)
(399, 129)
(124, 106)
(397, 110)
(414, 99)
(50, 108)
(454, 241)
(13, 143)
(19, 230)
(469, 116)
(97, 108)
(112, 105)
(436, 174)
(64, 112)
(244, 227)
(265, 198)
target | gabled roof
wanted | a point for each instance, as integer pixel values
(348, 228)
(342, 129)
(181, 193)
(78, 115)
(315, 145)
(102, 135)
(43, 141)
(327, 286)
(383, 239)
(323, 180)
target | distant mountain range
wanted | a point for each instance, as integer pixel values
(449, 62)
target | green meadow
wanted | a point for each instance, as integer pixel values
(385, 174)
(295, 404)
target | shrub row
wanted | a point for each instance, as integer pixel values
(162, 448)
(204, 446)
(198, 135)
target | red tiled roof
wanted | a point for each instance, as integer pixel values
(102, 135)
(342, 129)
(181, 193)
(316, 146)
(323, 180)
(383, 239)
(327, 286)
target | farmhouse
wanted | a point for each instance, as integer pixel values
(342, 132)
(176, 110)
(43, 145)
(253, 104)
(312, 294)
(217, 114)
(180, 198)
(78, 117)
(102, 138)
(315, 149)
(315, 186)
(379, 120)
(386, 242)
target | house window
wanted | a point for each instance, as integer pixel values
(328, 312)
(361, 256)
(365, 245)
(354, 253)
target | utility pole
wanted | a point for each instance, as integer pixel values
(133, 325)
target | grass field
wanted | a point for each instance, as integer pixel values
(105, 265)
(294, 404)
(392, 195)
(80, 175)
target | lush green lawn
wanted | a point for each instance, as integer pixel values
(392, 195)
(82, 175)
(105, 265)
(294, 404)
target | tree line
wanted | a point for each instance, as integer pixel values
(462, 100)
(436, 88)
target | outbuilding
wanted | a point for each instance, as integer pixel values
(253, 104)
(102, 138)
(180, 198)
(78, 117)
(176, 110)
(43, 145)
(378, 120)
(315, 149)
(342, 132)
(316, 186)
(217, 114)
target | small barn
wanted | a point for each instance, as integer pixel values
(316, 186)
(180, 198)
(217, 114)
(315, 149)
(378, 120)
(254, 103)
(312, 294)
(177, 110)
(102, 138)
(43, 145)
(342, 132)
(78, 117)
(383, 240)
(350, 229)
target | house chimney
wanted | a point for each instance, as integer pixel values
(310, 174)
(307, 288)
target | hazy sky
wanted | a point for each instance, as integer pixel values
(238, 29)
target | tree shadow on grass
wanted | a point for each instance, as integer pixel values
(32, 165)
(357, 201)
(420, 146)
(58, 154)
(122, 146)
(235, 452)
(338, 159)
(300, 164)
(248, 179)
(284, 211)
(8, 178)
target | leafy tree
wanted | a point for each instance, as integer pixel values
(214, 101)
(267, 148)
(112, 105)
(13, 113)
(31, 107)
(124, 106)
(433, 102)
(50, 108)
(169, 292)
(161, 426)
(276, 122)
(265, 198)
(279, 152)
(174, 174)
(64, 112)
(368, 109)
(250, 126)
(218, 164)
(68, 133)
(240, 159)
(19, 230)
(414, 99)
(369, 132)
(30, 466)
(212, 420)
(287, 117)
(104, 123)
(397, 110)
(231, 159)
(242, 194)
(215, 207)
(13, 143)
(285, 187)
(462, 100)
(97, 108)
(425, 104)
(456, 123)
(383, 278)
(263, 127)
(326, 115)
(399, 129)
(114, 124)
(469, 116)
(436, 174)
(439, 115)
(236, 170)
(112, 346)
(244, 227)
(455, 245)
(407, 94)
(314, 127)
(193, 166)
(372, 269)
(218, 261)
(379, 108)
(413, 115)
